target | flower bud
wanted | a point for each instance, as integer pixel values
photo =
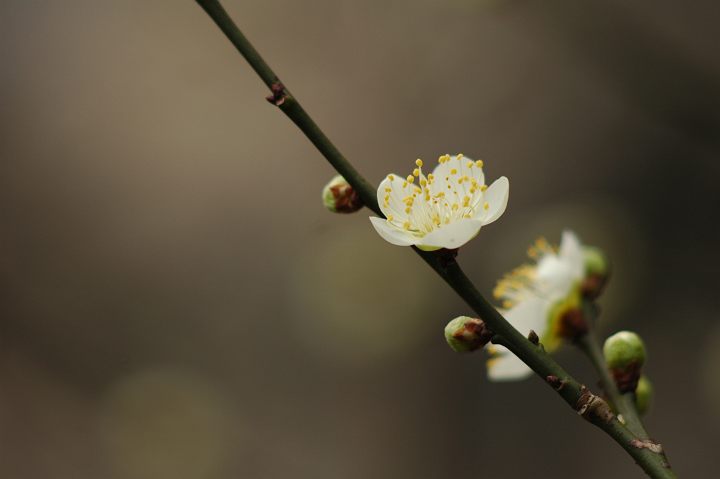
(465, 334)
(643, 395)
(597, 272)
(625, 354)
(339, 197)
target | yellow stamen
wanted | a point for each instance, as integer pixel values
(419, 163)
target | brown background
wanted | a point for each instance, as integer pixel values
(176, 303)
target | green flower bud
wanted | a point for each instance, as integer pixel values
(595, 261)
(465, 334)
(623, 349)
(643, 395)
(339, 197)
(597, 272)
(625, 354)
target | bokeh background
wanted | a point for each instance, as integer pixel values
(176, 303)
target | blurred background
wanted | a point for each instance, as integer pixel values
(176, 302)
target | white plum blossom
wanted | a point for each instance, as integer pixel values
(444, 209)
(533, 296)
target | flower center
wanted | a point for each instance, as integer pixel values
(421, 204)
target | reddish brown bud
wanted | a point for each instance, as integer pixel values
(340, 197)
(627, 378)
(465, 334)
(279, 95)
(572, 324)
(592, 286)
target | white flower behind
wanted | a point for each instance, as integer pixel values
(444, 209)
(532, 296)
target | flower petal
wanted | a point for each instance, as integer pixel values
(453, 235)
(392, 234)
(558, 273)
(497, 198)
(395, 206)
(529, 313)
(505, 366)
(572, 254)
